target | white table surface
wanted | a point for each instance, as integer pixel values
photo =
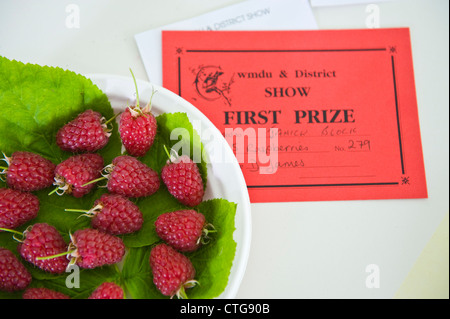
(299, 249)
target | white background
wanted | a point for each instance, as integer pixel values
(303, 249)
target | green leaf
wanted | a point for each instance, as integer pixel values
(137, 274)
(176, 131)
(213, 261)
(38, 100)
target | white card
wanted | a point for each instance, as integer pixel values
(325, 3)
(247, 15)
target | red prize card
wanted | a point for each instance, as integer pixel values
(311, 115)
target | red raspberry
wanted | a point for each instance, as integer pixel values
(131, 178)
(137, 131)
(117, 215)
(184, 230)
(183, 180)
(93, 248)
(43, 240)
(107, 290)
(43, 293)
(13, 275)
(17, 208)
(28, 171)
(76, 171)
(172, 271)
(137, 127)
(114, 214)
(88, 132)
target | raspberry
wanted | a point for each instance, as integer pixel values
(88, 132)
(43, 240)
(172, 271)
(17, 208)
(43, 293)
(72, 174)
(114, 214)
(93, 248)
(184, 230)
(118, 215)
(13, 275)
(28, 171)
(137, 131)
(183, 180)
(137, 127)
(107, 290)
(131, 178)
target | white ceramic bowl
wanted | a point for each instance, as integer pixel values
(225, 179)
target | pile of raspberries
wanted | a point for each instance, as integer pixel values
(112, 214)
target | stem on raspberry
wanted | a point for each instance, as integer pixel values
(105, 124)
(76, 210)
(4, 169)
(2, 172)
(60, 190)
(11, 231)
(148, 107)
(181, 293)
(166, 151)
(15, 232)
(88, 213)
(61, 186)
(207, 229)
(54, 191)
(135, 85)
(172, 155)
(112, 119)
(95, 181)
(56, 255)
(105, 175)
(6, 159)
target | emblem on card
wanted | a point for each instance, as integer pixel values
(212, 83)
(405, 180)
(179, 51)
